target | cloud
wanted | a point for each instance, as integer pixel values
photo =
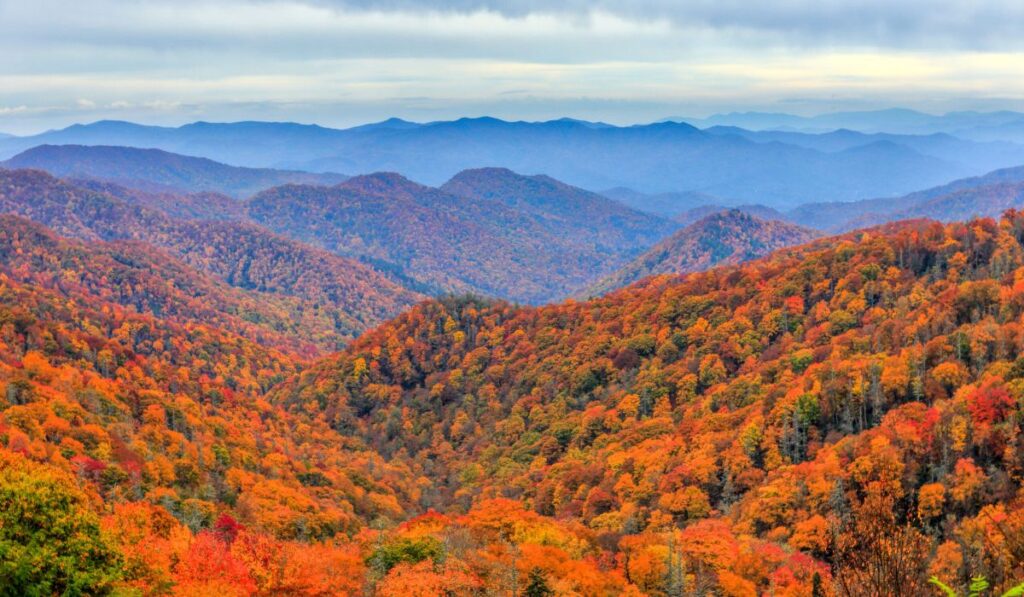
(342, 61)
(932, 24)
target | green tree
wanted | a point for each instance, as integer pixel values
(979, 586)
(412, 551)
(50, 541)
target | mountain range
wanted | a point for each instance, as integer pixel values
(156, 170)
(654, 158)
(523, 247)
(1003, 125)
(488, 231)
(979, 156)
(960, 199)
(331, 298)
(217, 382)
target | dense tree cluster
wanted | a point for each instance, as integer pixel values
(844, 411)
(334, 298)
(491, 231)
(842, 418)
(723, 237)
(154, 442)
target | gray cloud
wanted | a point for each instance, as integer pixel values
(346, 61)
(971, 24)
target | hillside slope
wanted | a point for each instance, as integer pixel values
(723, 238)
(145, 279)
(563, 210)
(961, 204)
(843, 414)
(191, 206)
(840, 216)
(139, 454)
(338, 297)
(498, 243)
(132, 412)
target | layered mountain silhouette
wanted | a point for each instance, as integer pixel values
(492, 232)
(156, 170)
(1005, 125)
(986, 195)
(664, 157)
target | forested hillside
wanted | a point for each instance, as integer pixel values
(139, 453)
(962, 199)
(337, 297)
(586, 218)
(838, 418)
(726, 237)
(842, 417)
(132, 416)
(497, 233)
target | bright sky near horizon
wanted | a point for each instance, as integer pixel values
(344, 62)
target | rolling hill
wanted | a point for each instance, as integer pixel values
(839, 414)
(191, 206)
(561, 209)
(336, 298)
(499, 234)
(839, 216)
(722, 238)
(156, 170)
(142, 279)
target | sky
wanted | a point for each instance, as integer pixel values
(347, 62)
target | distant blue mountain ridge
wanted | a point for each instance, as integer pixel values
(1002, 125)
(737, 165)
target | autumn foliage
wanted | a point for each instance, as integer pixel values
(735, 430)
(843, 418)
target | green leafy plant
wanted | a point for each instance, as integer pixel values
(979, 584)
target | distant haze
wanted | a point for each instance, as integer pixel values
(720, 164)
(343, 62)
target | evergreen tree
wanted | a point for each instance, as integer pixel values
(537, 584)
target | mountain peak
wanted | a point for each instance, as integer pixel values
(485, 173)
(381, 183)
(726, 237)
